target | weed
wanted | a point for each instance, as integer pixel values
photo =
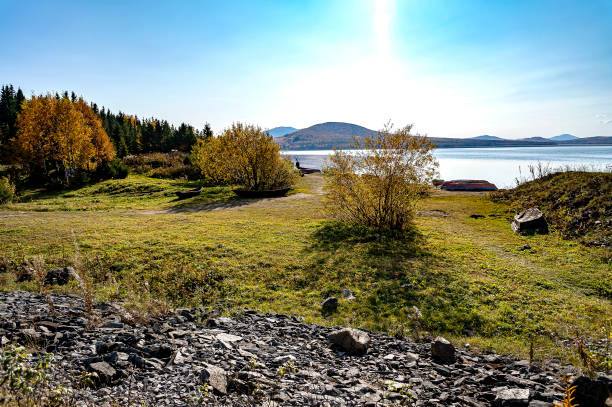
(252, 364)
(568, 396)
(39, 271)
(25, 380)
(83, 282)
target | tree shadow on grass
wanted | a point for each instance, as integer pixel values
(392, 273)
(380, 242)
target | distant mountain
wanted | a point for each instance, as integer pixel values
(536, 139)
(441, 142)
(585, 141)
(324, 136)
(330, 135)
(563, 137)
(486, 137)
(280, 131)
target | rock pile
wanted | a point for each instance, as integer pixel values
(270, 359)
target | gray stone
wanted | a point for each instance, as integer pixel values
(330, 304)
(350, 340)
(60, 276)
(442, 350)
(512, 398)
(104, 371)
(228, 337)
(347, 294)
(215, 377)
(529, 220)
(590, 392)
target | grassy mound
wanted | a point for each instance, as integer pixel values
(577, 204)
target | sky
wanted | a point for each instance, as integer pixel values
(459, 68)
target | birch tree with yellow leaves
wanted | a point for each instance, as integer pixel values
(60, 137)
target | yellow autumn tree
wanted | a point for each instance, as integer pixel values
(379, 183)
(244, 155)
(103, 150)
(62, 136)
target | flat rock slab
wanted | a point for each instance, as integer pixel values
(512, 398)
(228, 337)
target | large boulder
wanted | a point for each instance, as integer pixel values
(350, 340)
(591, 392)
(60, 276)
(329, 304)
(529, 220)
(442, 350)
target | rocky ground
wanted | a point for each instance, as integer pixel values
(191, 358)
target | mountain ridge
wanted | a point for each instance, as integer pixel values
(563, 137)
(330, 135)
(280, 131)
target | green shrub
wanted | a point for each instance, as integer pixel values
(24, 380)
(7, 191)
(114, 169)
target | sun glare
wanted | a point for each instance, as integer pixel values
(383, 14)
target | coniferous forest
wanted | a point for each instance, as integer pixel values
(129, 134)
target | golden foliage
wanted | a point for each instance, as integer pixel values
(379, 183)
(53, 132)
(568, 396)
(244, 155)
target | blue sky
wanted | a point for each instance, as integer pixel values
(453, 68)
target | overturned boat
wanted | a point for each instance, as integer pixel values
(468, 185)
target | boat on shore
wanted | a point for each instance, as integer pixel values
(309, 170)
(190, 193)
(304, 170)
(468, 185)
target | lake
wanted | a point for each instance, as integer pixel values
(501, 166)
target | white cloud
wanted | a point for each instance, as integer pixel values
(603, 118)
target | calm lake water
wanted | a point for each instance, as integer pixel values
(500, 166)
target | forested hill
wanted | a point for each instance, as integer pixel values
(129, 134)
(324, 136)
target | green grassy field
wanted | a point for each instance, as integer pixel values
(138, 243)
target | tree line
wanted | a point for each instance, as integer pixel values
(128, 134)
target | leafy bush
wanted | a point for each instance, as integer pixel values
(114, 169)
(163, 165)
(244, 155)
(379, 185)
(23, 380)
(7, 191)
(176, 172)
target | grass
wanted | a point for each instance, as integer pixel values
(282, 255)
(134, 192)
(576, 203)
